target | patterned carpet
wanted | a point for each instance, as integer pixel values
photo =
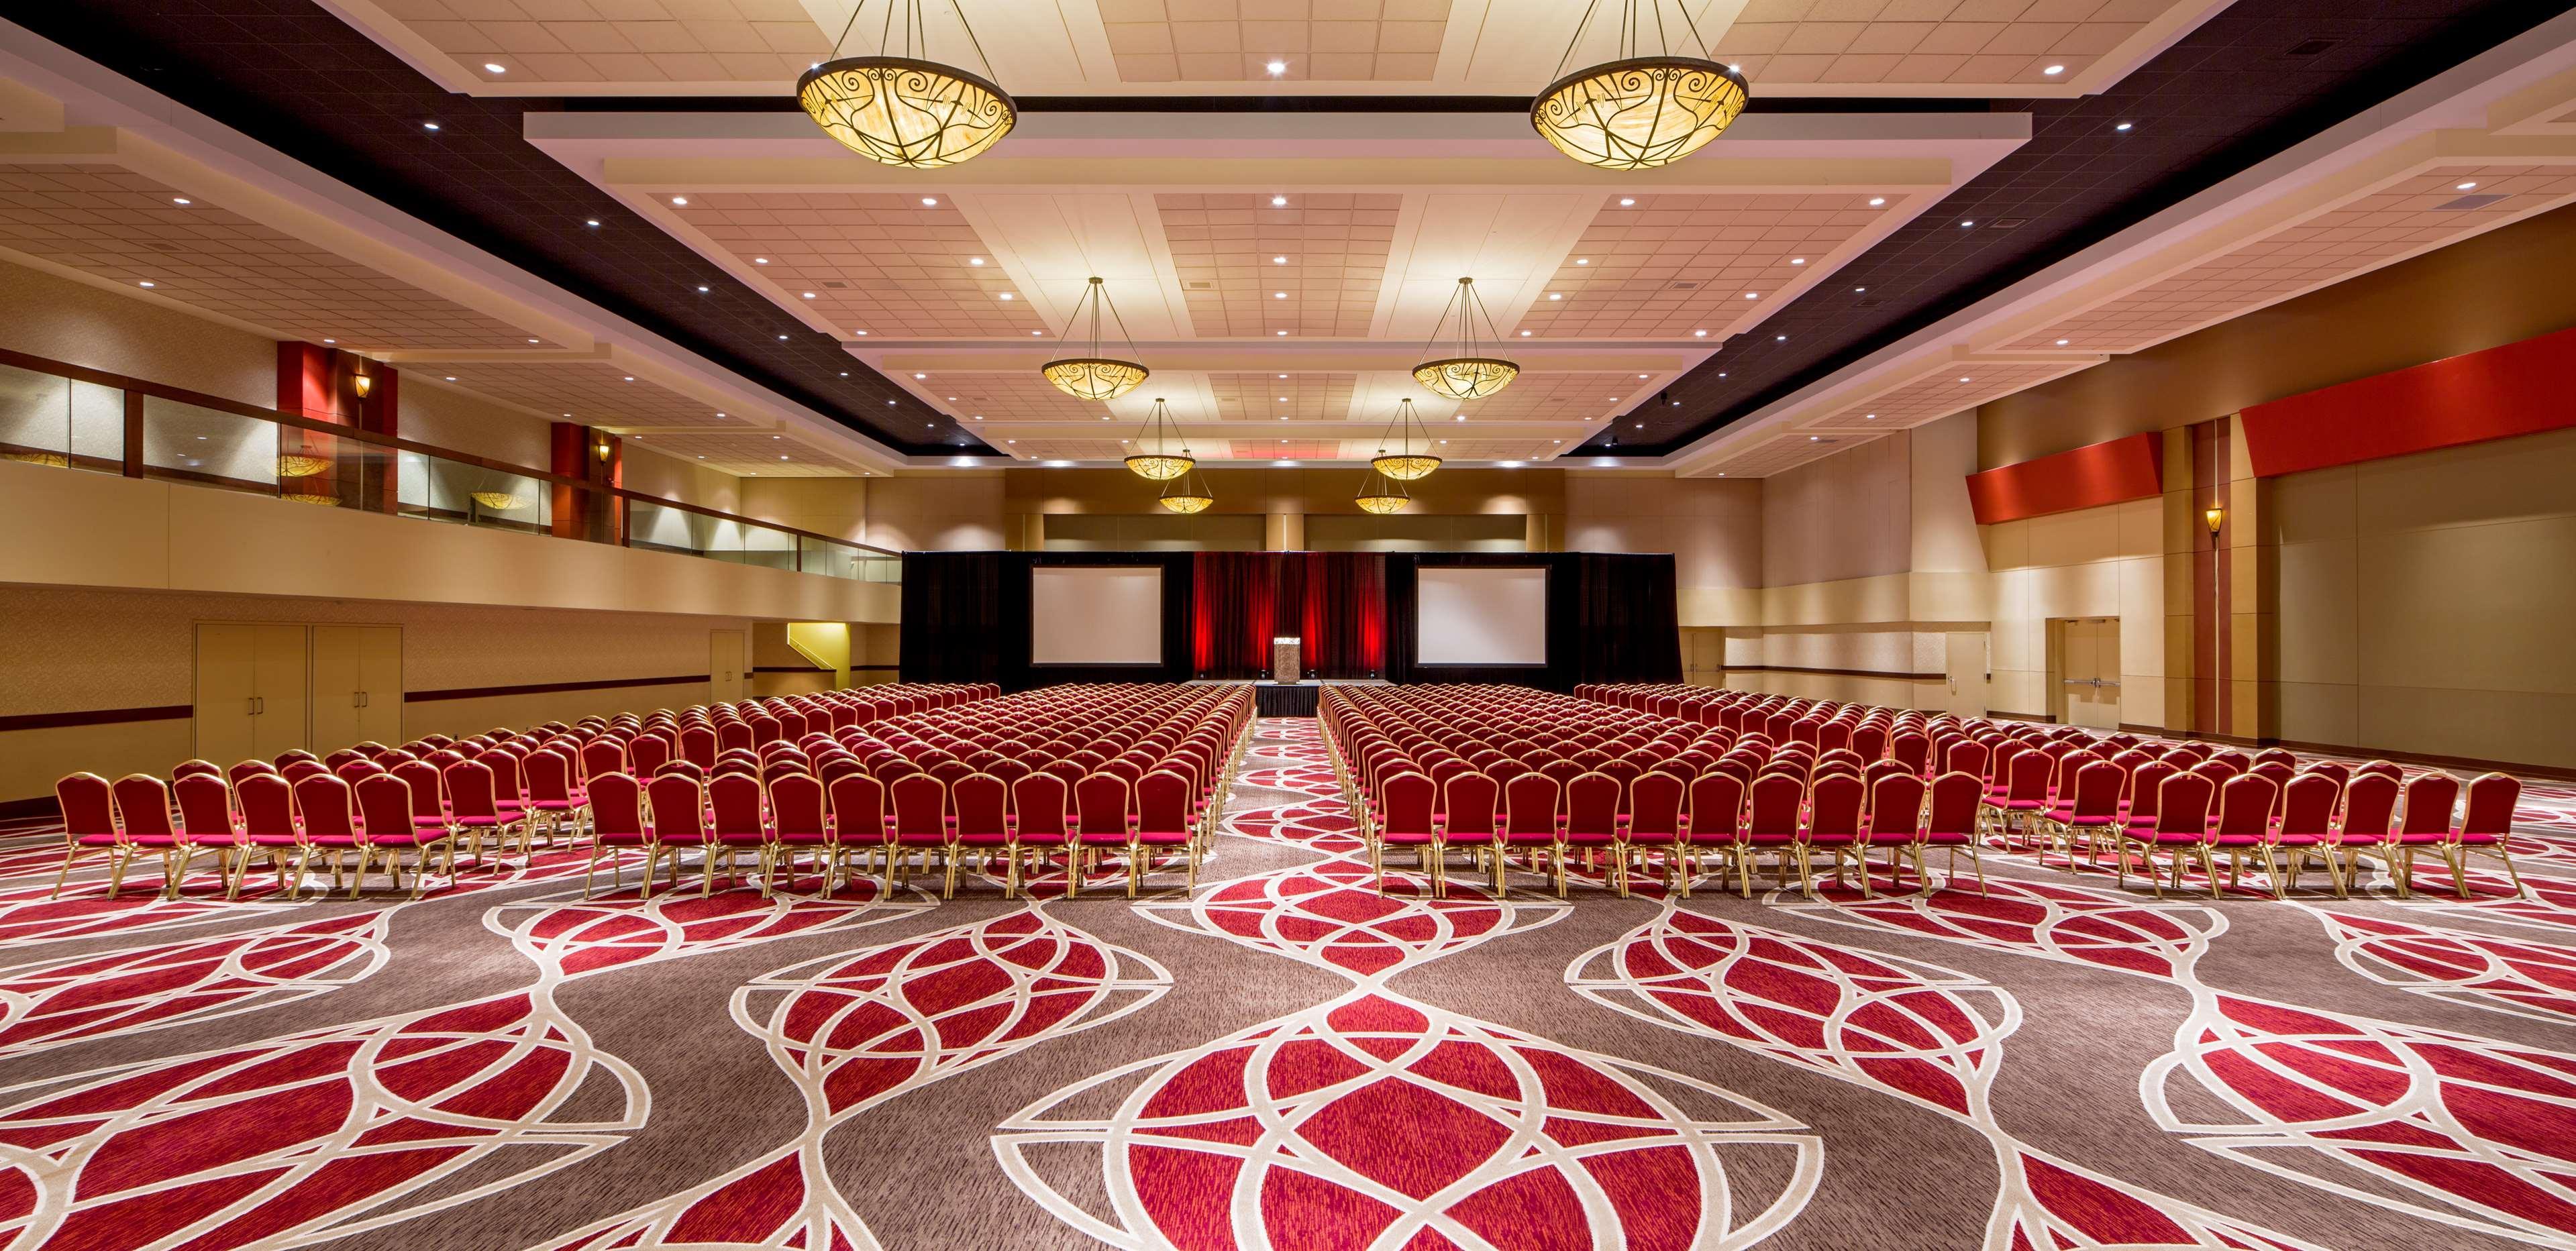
(1289, 1060)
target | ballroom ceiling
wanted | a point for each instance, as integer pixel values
(1280, 244)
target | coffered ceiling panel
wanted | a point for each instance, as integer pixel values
(593, 393)
(872, 262)
(1157, 41)
(1696, 266)
(750, 452)
(1283, 397)
(1250, 268)
(123, 228)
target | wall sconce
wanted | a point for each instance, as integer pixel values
(2214, 516)
(363, 383)
(603, 449)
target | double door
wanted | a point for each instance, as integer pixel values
(264, 689)
(2089, 672)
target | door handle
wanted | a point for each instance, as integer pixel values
(250, 705)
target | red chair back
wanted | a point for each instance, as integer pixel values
(1896, 807)
(1405, 801)
(1953, 810)
(1592, 804)
(2492, 798)
(2308, 805)
(736, 803)
(2369, 806)
(920, 808)
(796, 805)
(2146, 788)
(1101, 807)
(678, 809)
(858, 809)
(1163, 803)
(205, 807)
(1530, 804)
(2429, 801)
(617, 806)
(143, 806)
(324, 801)
(1835, 807)
(648, 754)
(470, 790)
(1468, 800)
(385, 806)
(1777, 798)
(983, 804)
(2182, 804)
(1039, 800)
(267, 805)
(2245, 806)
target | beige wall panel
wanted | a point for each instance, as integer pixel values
(1712, 526)
(2523, 727)
(1857, 600)
(652, 473)
(1721, 606)
(2019, 690)
(2007, 545)
(43, 315)
(2477, 607)
(766, 684)
(2313, 507)
(1944, 524)
(2320, 616)
(2142, 617)
(2142, 699)
(2086, 590)
(833, 506)
(1846, 517)
(2142, 527)
(446, 417)
(1886, 651)
(2483, 483)
(98, 528)
(2016, 632)
(2086, 534)
(32, 760)
(2320, 712)
(948, 512)
(1955, 597)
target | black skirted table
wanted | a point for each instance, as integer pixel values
(1287, 699)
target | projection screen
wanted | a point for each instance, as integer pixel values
(1470, 615)
(1095, 615)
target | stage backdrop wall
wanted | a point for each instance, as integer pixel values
(1610, 618)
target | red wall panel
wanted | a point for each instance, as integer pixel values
(2087, 477)
(2520, 388)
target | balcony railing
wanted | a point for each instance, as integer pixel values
(70, 417)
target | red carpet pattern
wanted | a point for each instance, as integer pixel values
(1287, 1058)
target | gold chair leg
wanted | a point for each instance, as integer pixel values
(2506, 855)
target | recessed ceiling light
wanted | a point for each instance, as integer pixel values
(1278, 201)
(630, 377)
(531, 340)
(1869, 417)
(680, 200)
(1967, 224)
(1627, 202)
(720, 416)
(1278, 260)
(808, 295)
(1721, 373)
(1641, 375)
(1966, 378)
(2061, 343)
(2124, 126)
(974, 260)
(861, 333)
(451, 377)
(1752, 295)
(952, 399)
(1278, 295)
(1010, 440)
(702, 290)
(1459, 417)
(1008, 296)
(495, 68)
(1877, 200)
(1283, 333)
(1779, 338)
(147, 283)
(1815, 438)
(1797, 260)
(930, 201)
(1555, 295)
(590, 221)
(2466, 186)
(1858, 290)
(1039, 333)
(1582, 260)
(1277, 67)
(782, 338)
(1699, 334)
(2054, 70)
(782, 458)
(760, 260)
(180, 199)
(1525, 334)
(429, 125)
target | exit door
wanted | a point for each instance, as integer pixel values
(724, 666)
(2089, 672)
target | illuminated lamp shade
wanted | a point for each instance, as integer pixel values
(1154, 459)
(1466, 372)
(362, 384)
(1404, 464)
(899, 111)
(1186, 494)
(51, 460)
(1380, 494)
(500, 501)
(1646, 108)
(1097, 376)
(312, 497)
(294, 466)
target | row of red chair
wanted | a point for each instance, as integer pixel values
(479, 786)
(2271, 806)
(1072, 772)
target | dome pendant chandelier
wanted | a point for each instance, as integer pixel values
(1186, 494)
(1645, 109)
(1380, 494)
(903, 110)
(1097, 377)
(1468, 375)
(1405, 465)
(1153, 459)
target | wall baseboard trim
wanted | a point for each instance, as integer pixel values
(96, 716)
(549, 688)
(2041, 718)
(1891, 675)
(43, 806)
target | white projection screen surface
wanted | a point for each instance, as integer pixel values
(1480, 616)
(1096, 615)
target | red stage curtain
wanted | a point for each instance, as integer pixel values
(1343, 620)
(1231, 613)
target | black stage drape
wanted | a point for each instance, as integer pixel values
(1610, 618)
